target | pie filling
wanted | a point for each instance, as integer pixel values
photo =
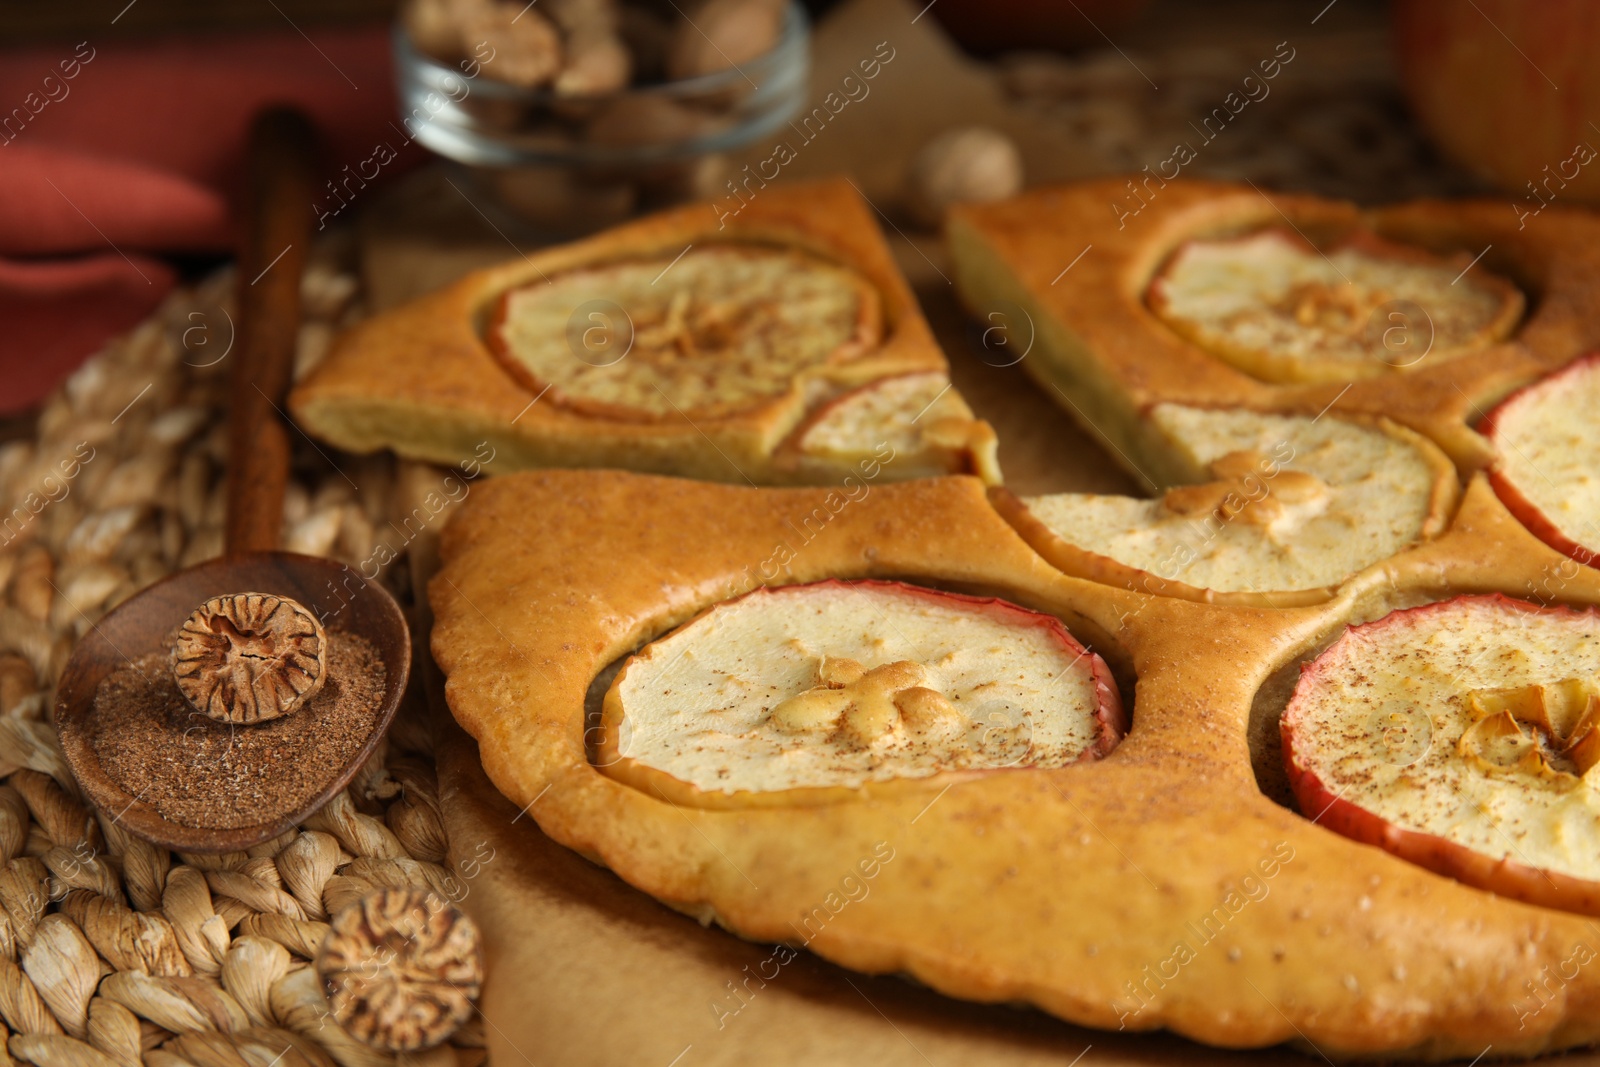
(848, 683)
(1294, 503)
(1548, 439)
(908, 413)
(1277, 307)
(1476, 720)
(706, 333)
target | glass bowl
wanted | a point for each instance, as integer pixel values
(572, 163)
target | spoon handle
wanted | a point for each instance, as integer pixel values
(276, 237)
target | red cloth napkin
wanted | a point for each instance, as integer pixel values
(113, 153)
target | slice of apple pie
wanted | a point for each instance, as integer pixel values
(776, 349)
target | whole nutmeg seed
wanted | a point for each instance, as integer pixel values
(723, 34)
(969, 165)
(401, 968)
(524, 49)
(597, 62)
(250, 657)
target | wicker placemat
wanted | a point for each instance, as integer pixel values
(113, 951)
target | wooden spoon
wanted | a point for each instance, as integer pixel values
(272, 257)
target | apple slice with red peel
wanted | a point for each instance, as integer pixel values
(807, 692)
(1548, 470)
(1282, 509)
(717, 330)
(914, 422)
(1280, 309)
(1463, 736)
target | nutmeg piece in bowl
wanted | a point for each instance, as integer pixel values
(250, 657)
(542, 104)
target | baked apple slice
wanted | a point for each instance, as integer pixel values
(709, 333)
(1283, 510)
(1548, 440)
(1278, 308)
(915, 421)
(1462, 736)
(811, 691)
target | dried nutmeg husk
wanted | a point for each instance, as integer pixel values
(401, 968)
(525, 47)
(597, 61)
(250, 657)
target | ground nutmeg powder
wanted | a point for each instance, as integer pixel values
(210, 775)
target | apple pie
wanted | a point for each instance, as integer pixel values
(784, 347)
(1216, 294)
(733, 745)
(1123, 760)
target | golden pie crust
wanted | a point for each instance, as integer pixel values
(421, 379)
(1159, 887)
